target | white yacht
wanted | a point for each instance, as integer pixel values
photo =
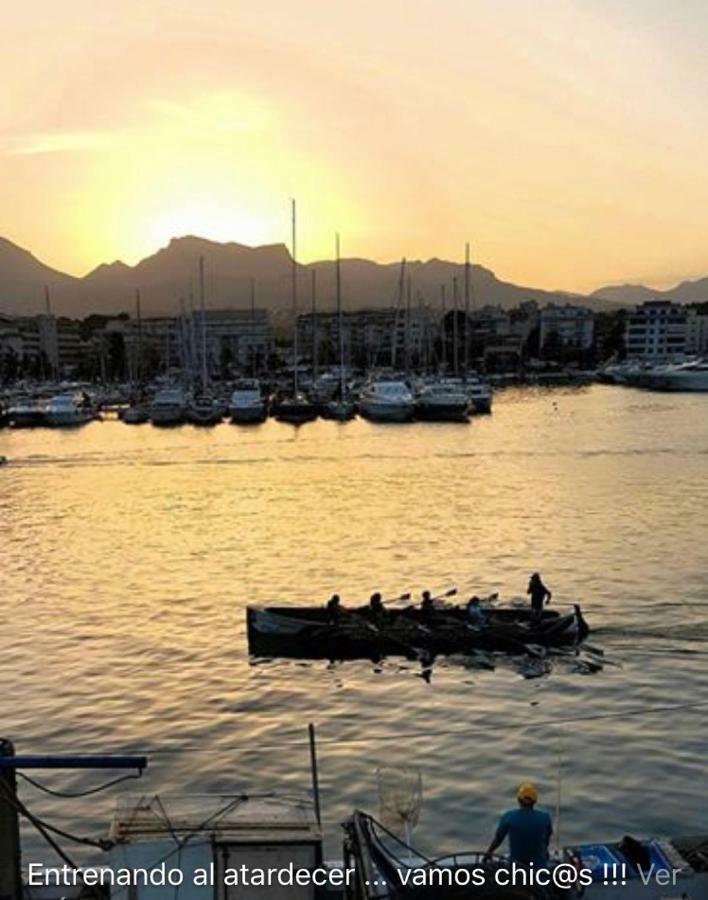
(247, 403)
(68, 410)
(168, 407)
(387, 401)
(687, 376)
(443, 401)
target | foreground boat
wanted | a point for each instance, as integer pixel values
(247, 405)
(307, 632)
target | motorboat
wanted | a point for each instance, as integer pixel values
(687, 376)
(205, 409)
(247, 404)
(168, 407)
(68, 410)
(480, 395)
(339, 410)
(442, 401)
(387, 401)
(135, 414)
(26, 412)
(295, 409)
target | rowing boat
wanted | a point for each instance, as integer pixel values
(309, 632)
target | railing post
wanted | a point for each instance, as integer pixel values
(10, 878)
(315, 774)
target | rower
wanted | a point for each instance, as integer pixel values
(427, 606)
(476, 616)
(334, 609)
(376, 607)
(539, 594)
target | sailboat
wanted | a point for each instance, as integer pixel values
(294, 409)
(342, 408)
(204, 408)
(137, 412)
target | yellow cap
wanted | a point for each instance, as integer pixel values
(527, 793)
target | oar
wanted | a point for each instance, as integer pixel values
(406, 596)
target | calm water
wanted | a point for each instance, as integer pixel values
(128, 556)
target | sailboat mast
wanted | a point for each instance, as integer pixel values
(139, 367)
(204, 336)
(294, 297)
(407, 331)
(455, 347)
(253, 327)
(340, 323)
(443, 347)
(314, 324)
(399, 304)
(467, 307)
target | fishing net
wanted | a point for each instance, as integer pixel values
(400, 797)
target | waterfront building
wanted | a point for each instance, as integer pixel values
(372, 337)
(696, 333)
(657, 331)
(571, 327)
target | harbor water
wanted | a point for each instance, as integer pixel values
(128, 556)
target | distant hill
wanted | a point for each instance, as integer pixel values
(631, 294)
(23, 279)
(169, 279)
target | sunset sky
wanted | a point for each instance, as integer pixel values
(567, 140)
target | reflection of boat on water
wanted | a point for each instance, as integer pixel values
(69, 410)
(306, 632)
(168, 407)
(247, 404)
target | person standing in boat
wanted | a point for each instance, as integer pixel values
(528, 830)
(539, 594)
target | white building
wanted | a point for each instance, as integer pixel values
(696, 334)
(657, 331)
(573, 325)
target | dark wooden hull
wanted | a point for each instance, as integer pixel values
(305, 633)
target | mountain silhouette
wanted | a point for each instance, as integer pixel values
(169, 281)
(631, 294)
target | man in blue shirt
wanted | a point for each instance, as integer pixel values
(528, 829)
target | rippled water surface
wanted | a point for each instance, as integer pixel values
(128, 555)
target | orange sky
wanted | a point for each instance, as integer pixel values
(566, 139)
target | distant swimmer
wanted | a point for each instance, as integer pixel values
(528, 830)
(539, 594)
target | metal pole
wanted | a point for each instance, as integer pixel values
(455, 340)
(294, 299)
(314, 325)
(467, 306)
(443, 331)
(254, 363)
(10, 879)
(315, 776)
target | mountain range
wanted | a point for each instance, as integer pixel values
(169, 279)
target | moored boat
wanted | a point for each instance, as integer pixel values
(168, 407)
(68, 410)
(295, 409)
(387, 401)
(205, 409)
(247, 404)
(442, 401)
